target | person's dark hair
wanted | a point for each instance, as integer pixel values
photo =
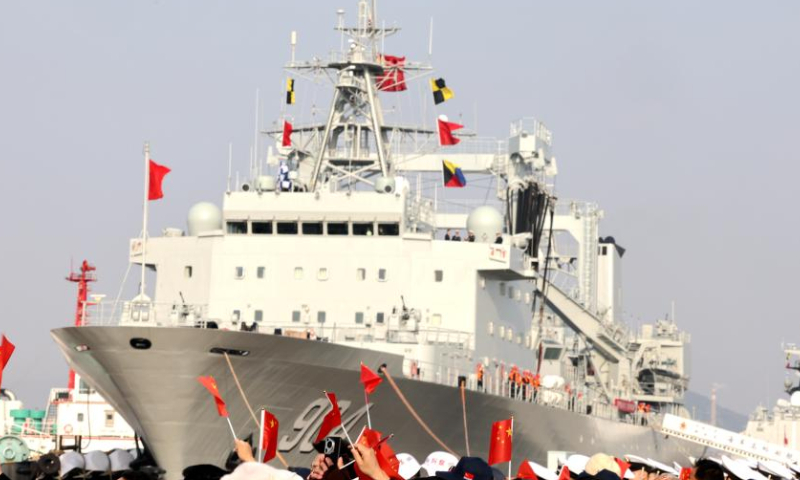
(708, 470)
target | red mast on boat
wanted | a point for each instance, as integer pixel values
(82, 279)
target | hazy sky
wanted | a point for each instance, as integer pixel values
(680, 118)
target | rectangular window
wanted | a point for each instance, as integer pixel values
(503, 288)
(438, 275)
(359, 317)
(361, 274)
(381, 274)
(362, 228)
(258, 315)
(388, 229)
(260, 272)
(510, 292)
(312, 228)
(109, 419)
(262, 228)
(287, 228)
(379, 317)
(320, 317)
(239, 272)
(337, 228)
(236, 315)
(80, 417)
(187, 271)
(322, 274)
(605, 251)
(296, 316)
(237, 227)
(298, 273)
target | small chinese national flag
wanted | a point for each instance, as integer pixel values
(525, 471)
(446, 130)
(6, 349)
(686, 473)
(287, 134)
(211, 385)
(500, 446)
(370, 379)
(269, 439)
(564, 475)
(157, 174)
(332, 419)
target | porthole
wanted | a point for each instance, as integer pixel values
(141, 343)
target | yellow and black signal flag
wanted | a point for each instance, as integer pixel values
(290, 91)
(441, 92)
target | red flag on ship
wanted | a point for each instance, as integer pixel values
(393, 78)
(287, 134)
(6, 349)
(269, 435)
(446, 130)
(211, 386)
(369, 379)
(500, 446)
(332, 419)
(157, 174)
(525, 471)
(564, 475)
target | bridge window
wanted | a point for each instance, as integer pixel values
(298, 273)
(337, 228)
(260, 272)
(187, 271)
(261, 228)
(389, 229)
(237, 227)
(361, 274)
(321, 317)
(287, 228)
(362, 228)
(379, 317)
(258, 315)
(296, 316)
(312, 228)
(239, 273)
(381, 274)
(322, 274)
(359, 317)
(438, 275)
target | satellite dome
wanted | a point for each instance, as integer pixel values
(204, 217)
(485, 222)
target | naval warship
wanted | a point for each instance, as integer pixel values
(340, 246)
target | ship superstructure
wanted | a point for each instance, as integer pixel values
(342, 255)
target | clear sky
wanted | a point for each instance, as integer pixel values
(680, 118)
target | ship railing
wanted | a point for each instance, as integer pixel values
(109, 313)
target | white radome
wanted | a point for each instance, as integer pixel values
(204, 217)
(485, 222)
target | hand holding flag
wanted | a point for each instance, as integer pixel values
(6, 349)
(369, 379)
(269, 435)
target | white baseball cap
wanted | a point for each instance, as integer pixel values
(409, 466)
(439, 462)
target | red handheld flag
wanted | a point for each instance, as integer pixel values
(157, 174)
(211, 386)
(370, 379)
(525, 471)
(6, 349)
(269, 439)
(385, 455)
(287, 134)
(564, 475)
(686, 473)
(623, 467)
(500, 446)
(446, 130)
(332, 419)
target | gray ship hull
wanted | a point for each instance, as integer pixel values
(157, 392)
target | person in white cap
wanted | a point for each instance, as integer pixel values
(409, 466)
(252, 470)
(439, 462)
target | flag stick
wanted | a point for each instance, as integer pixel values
(512, 446)
(261, 439)
(234, 433)
(144, 213)
(366, 403)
